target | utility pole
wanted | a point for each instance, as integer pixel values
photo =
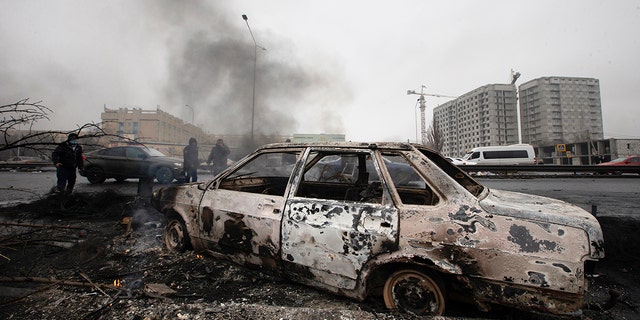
(421, 100)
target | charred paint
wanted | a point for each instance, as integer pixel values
(563, 267)
(537, 278)
(468, 217)
(521, 236)
(237, 236)
(207, 220)
(458, 256)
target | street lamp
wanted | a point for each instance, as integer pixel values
(255, 61)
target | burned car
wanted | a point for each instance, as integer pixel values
(392, 220)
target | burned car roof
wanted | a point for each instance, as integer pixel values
(391, 219)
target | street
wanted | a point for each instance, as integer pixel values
(613, 197)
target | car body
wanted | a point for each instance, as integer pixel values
(132, 161)
(390, 219)
(622, 161)
(27, 162)
(460, 162)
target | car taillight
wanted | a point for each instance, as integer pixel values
(84, 157)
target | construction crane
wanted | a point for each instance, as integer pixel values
(423, 127)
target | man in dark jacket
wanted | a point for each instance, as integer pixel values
(190, 164)
(67, 157)
(218, 156)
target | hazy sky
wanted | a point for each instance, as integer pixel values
(329, 66)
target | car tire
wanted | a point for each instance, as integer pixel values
(95, 175)
(176, 237)
(164, 175)
(415, 292)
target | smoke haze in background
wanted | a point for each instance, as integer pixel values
(330, 66)
(165, 54)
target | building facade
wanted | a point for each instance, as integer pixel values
(560, 110)
(155, 128)
(486, 116)
(169, 134)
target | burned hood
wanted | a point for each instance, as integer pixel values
(546, 211)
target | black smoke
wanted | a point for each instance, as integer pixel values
(211, 67)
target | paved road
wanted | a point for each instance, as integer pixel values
(20, 186)
(610, 196)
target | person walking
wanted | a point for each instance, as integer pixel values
(190, 164)
(218, 156)
(67, 157)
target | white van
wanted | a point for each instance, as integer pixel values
(502, 155)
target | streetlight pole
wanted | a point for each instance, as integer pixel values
(255, 62)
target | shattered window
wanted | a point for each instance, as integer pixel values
(267, 173)
(454, 172)
(349, 176)
(411, 186)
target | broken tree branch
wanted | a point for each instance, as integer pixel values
(52, 226)
(54, 281)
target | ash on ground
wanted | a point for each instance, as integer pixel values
(101, 256)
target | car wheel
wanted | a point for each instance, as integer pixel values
(414, 292)
(176, 237)
(164, 175)
(95, 175)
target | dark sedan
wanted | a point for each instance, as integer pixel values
(126, 162)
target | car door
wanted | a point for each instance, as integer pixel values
(332, 225)
(113, 160)
(137, 162)
(240, 214)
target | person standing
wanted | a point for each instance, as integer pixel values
(190, 164)
(67, 157)
(219, 155)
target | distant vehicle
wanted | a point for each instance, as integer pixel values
(27, 160)
(126, 162)
(516, 154)
(460, 161)
(623, 161)
(389, 220)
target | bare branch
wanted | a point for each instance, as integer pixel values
(24, 114)
(435, 137)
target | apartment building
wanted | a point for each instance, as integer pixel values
(560, 110)
(486, 116)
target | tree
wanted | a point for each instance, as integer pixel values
(16, 129)
(435, 137)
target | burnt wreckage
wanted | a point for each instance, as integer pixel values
(389, 219)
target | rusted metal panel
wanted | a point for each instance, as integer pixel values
(246, 226)
(334, 238)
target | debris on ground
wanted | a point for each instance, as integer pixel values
(101, 256)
